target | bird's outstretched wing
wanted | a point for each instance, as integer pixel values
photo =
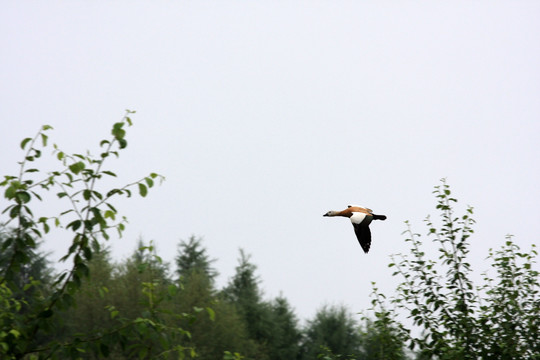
(363, 234)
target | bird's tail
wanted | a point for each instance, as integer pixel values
(379, 217)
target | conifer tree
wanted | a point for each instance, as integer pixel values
(285, 340)
(192, 257)
(333, 328)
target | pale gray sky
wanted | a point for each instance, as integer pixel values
(263, 115)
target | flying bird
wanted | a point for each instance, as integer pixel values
(360, 217)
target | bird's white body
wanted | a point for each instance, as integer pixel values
(360, 218)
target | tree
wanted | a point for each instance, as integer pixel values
(215, 325)
(28, 286)
(333, 328)
(383, 337)
(510, 314)
(90, 315)
(285, 340)
(270, 326)
(243, 291)
(192, 257)
(456, 318)
(143, 295)
(243, 288)
(90, 217)
(36, 270)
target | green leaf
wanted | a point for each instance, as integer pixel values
(149, 182)
(117, 131)
(46, 227)
(61, 194)
(46, 127)
(117, 126)
(24, 142)
(110, 173)
(109, 214)
(98, 195)
(7, 243)
(77, 167)
(123, 143)
(87, 252)
(15, 211)
(114, 313)
(211, 313)
(143, 190)
(74, 225)
(89, 224)
(10, 192)
(111, 207)
(44, 139)
(112, 192)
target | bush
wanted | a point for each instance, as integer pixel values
(456, 318)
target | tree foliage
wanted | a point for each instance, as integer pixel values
(192, 257)
(333, 329)
(26, 323)
(456, 318)
(271, 326)
(383, 337)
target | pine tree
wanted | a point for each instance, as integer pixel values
(244, 292)
(285, 340)
(36, 269)
(192, 257)
(334, 329)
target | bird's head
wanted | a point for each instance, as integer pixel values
(331, 213)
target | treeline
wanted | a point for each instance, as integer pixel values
(142, 308)
(209, 323)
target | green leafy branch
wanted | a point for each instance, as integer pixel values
(92, 210)
(499, 319)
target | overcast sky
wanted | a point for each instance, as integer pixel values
(263, 115)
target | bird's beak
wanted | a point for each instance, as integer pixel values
(325, 214)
